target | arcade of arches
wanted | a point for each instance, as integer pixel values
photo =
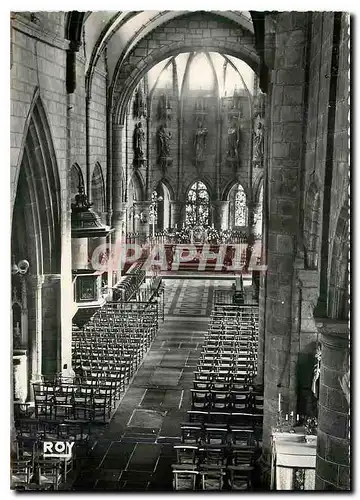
(215, 144)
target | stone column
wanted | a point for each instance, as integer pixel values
(220, 214)
(286, 122)
(176, 214)
(117, 195)
(259, 380)
(51, 327)
(333, 445)
(35, 284)
(306, 295)
(79, 253)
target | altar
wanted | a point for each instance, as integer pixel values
(293, 461)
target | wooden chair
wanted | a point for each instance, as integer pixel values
(212, 478)
(185, 477)
(21, 473)
(191, 434)
(186, 454)
(49, 474)
(240, 477)
(215, 435)
(213, 455)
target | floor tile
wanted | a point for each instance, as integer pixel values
(144, 458)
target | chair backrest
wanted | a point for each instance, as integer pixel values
(212, 479)
(185, 480)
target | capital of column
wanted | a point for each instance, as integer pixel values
(117, 127)
(36, 280)
(333, 333)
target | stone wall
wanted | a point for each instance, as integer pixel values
(97, 119)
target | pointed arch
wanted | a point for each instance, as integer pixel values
(238, 206)
(76, 179)
(166, 192)
(258, 185)
(37, 207)
(98, 189)
(135, 189)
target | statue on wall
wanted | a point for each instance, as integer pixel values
(139, 104)
(163, 148)
(138, 141)
(200, 141)
(258, 144)
(233, 141)
(163, 142)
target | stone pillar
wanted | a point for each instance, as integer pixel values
(306, 296)
(51, 333)
(79, 253)
(333, 445)
(176, 214)
(286, 122)
(220, 214)
(259, 380)
(117, 195)
(35, 284)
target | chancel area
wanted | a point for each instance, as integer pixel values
(180, 251)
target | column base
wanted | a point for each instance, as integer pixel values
(263, 476)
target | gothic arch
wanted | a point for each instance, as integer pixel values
(257, 186)
(76, 179)
(36, 237)
(131, 70)
(167, 185)
(204, 181)
(37, 209)
(232, 198)
(197, 204)
(135, 189)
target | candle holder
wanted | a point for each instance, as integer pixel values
(311, 425)
(279, 422)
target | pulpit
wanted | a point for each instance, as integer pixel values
(293, 461)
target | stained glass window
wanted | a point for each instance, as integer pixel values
(241, 211)
(197, 205)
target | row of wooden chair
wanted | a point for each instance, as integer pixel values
(219, 442)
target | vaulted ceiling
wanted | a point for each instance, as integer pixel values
(119, 32)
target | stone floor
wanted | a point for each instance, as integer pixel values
(135, 451)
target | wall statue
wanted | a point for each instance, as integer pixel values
(139, 109)
(163, 142)
(258, 144)
(200, 141)
(233, 141)
(138, 141)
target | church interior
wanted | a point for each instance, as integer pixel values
(180, 251)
